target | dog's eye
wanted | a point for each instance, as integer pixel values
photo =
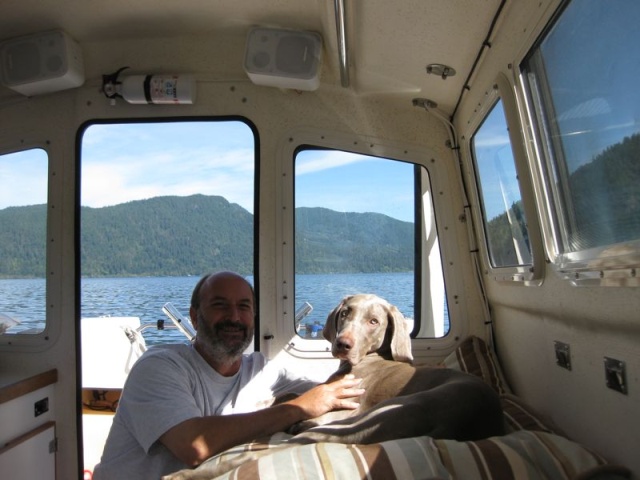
(374, 321)
(344, 313)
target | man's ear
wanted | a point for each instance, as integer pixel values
(193, 315)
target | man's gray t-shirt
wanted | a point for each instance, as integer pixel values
(173, 383)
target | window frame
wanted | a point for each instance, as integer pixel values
(37, 342)
(608, 265)
(527, 274)
(418, 215)
(166, 120)
(312, 348)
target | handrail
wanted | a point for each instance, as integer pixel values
(343, 51)
(179, 320)
(302, 312)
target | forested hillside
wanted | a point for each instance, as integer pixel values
(23, 241)
(190, 235)
(329, 241)
(606, 196)
(166, 236)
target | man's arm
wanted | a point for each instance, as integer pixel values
(196, 439)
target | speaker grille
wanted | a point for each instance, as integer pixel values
(283, 58)
(41, 63)
(295, 55)
(22, 62)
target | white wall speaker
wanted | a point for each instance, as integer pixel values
(284, 58)
(41, 63)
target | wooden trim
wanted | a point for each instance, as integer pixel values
(23, 438)
(28, 385)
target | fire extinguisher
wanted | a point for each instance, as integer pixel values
(163, 89)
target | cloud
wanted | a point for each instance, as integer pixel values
(327, 160)
(188, 172)
(347, 182)
(492, 139)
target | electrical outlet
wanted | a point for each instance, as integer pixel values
(615, 374)
(40, 407)
(563, 354)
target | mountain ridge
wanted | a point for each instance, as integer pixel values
(176, 236)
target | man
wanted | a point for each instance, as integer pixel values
(182, 404)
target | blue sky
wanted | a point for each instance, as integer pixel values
(24, 178)
(135, 161)
(495, 164)
(347, 182)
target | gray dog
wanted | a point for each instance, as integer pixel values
(370, 337)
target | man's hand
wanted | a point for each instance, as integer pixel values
(338, 395)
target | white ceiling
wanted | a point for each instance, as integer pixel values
(390, 42)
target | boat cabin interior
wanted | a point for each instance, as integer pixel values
(474, 162)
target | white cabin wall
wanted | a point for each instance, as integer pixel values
(595, 321)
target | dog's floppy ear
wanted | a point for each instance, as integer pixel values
(330, 330)
(401, 340)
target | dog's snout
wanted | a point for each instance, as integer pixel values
(344, 344)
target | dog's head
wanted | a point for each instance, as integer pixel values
(365, 323)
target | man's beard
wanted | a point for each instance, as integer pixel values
(224, 352)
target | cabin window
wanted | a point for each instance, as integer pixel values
(163, 203)
(505, 225)
(23, 230)
(584, 97)
(356, 232)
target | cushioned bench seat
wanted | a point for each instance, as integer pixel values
(533, 448)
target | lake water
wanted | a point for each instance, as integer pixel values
(144, 297)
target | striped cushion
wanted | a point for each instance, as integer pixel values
(474, 357)
(522, 455)
(518, 415)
